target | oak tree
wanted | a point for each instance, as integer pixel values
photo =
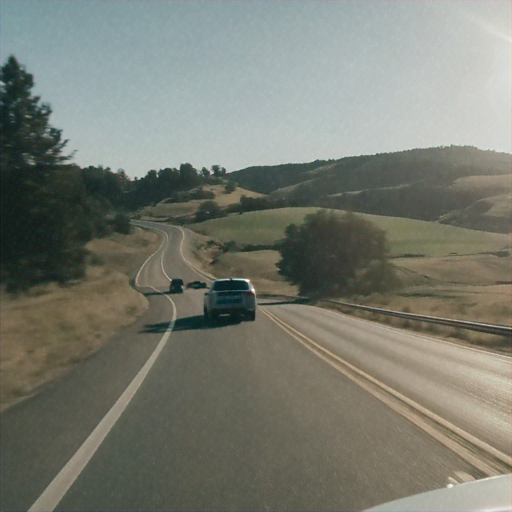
(331, 254)
(44, 209)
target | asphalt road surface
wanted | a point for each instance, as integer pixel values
(172, 414)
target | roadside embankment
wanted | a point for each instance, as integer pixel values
(47, 330)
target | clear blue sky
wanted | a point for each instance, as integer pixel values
(150, 84)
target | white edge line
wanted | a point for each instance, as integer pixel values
(207, 276)
(162, 259)
(148, 258)
(203, 274)
(60, 485)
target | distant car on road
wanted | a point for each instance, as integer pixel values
(234, 296)
(176, 285)
(196, 285)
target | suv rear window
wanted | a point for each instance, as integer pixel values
(222, 286)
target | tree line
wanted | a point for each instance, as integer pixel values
(170, 184)
(51, 207)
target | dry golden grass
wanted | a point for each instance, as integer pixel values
(493, 211)
(483, 185)
(124, 252)
(473, 288)
(189, 208)
(476, 269)
(485, 304)
(465, 337)
(500, 206)
(49, 329)
(224, 199)
(258, 266)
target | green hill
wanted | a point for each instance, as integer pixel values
(405, 236)
(455, 185)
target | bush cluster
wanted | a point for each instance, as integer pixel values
(333, 255)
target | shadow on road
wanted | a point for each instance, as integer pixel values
(285, 301)
(156, 328)
(190, 323)
(164, 292)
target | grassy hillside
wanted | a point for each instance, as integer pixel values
(442, 164)
(457, 184)
(266, 179)
(405, 236)
(483, 186)
(187, 209)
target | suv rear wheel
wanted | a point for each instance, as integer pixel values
(209, 317)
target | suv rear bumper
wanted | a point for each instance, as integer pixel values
(231, 310)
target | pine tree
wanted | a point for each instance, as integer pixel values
(43, 197)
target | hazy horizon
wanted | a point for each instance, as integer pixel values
(144, 85)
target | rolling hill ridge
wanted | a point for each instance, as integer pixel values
(458, 185)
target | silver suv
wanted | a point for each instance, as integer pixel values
(232, 296)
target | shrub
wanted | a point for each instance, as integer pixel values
(121, 224)
(333, 255)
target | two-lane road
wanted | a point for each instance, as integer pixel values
(174, 415)
(469, 387)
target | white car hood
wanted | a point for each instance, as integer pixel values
(488, 495)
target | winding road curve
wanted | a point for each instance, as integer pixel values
(296, 411)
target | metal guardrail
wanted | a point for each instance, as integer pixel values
(499, 330)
